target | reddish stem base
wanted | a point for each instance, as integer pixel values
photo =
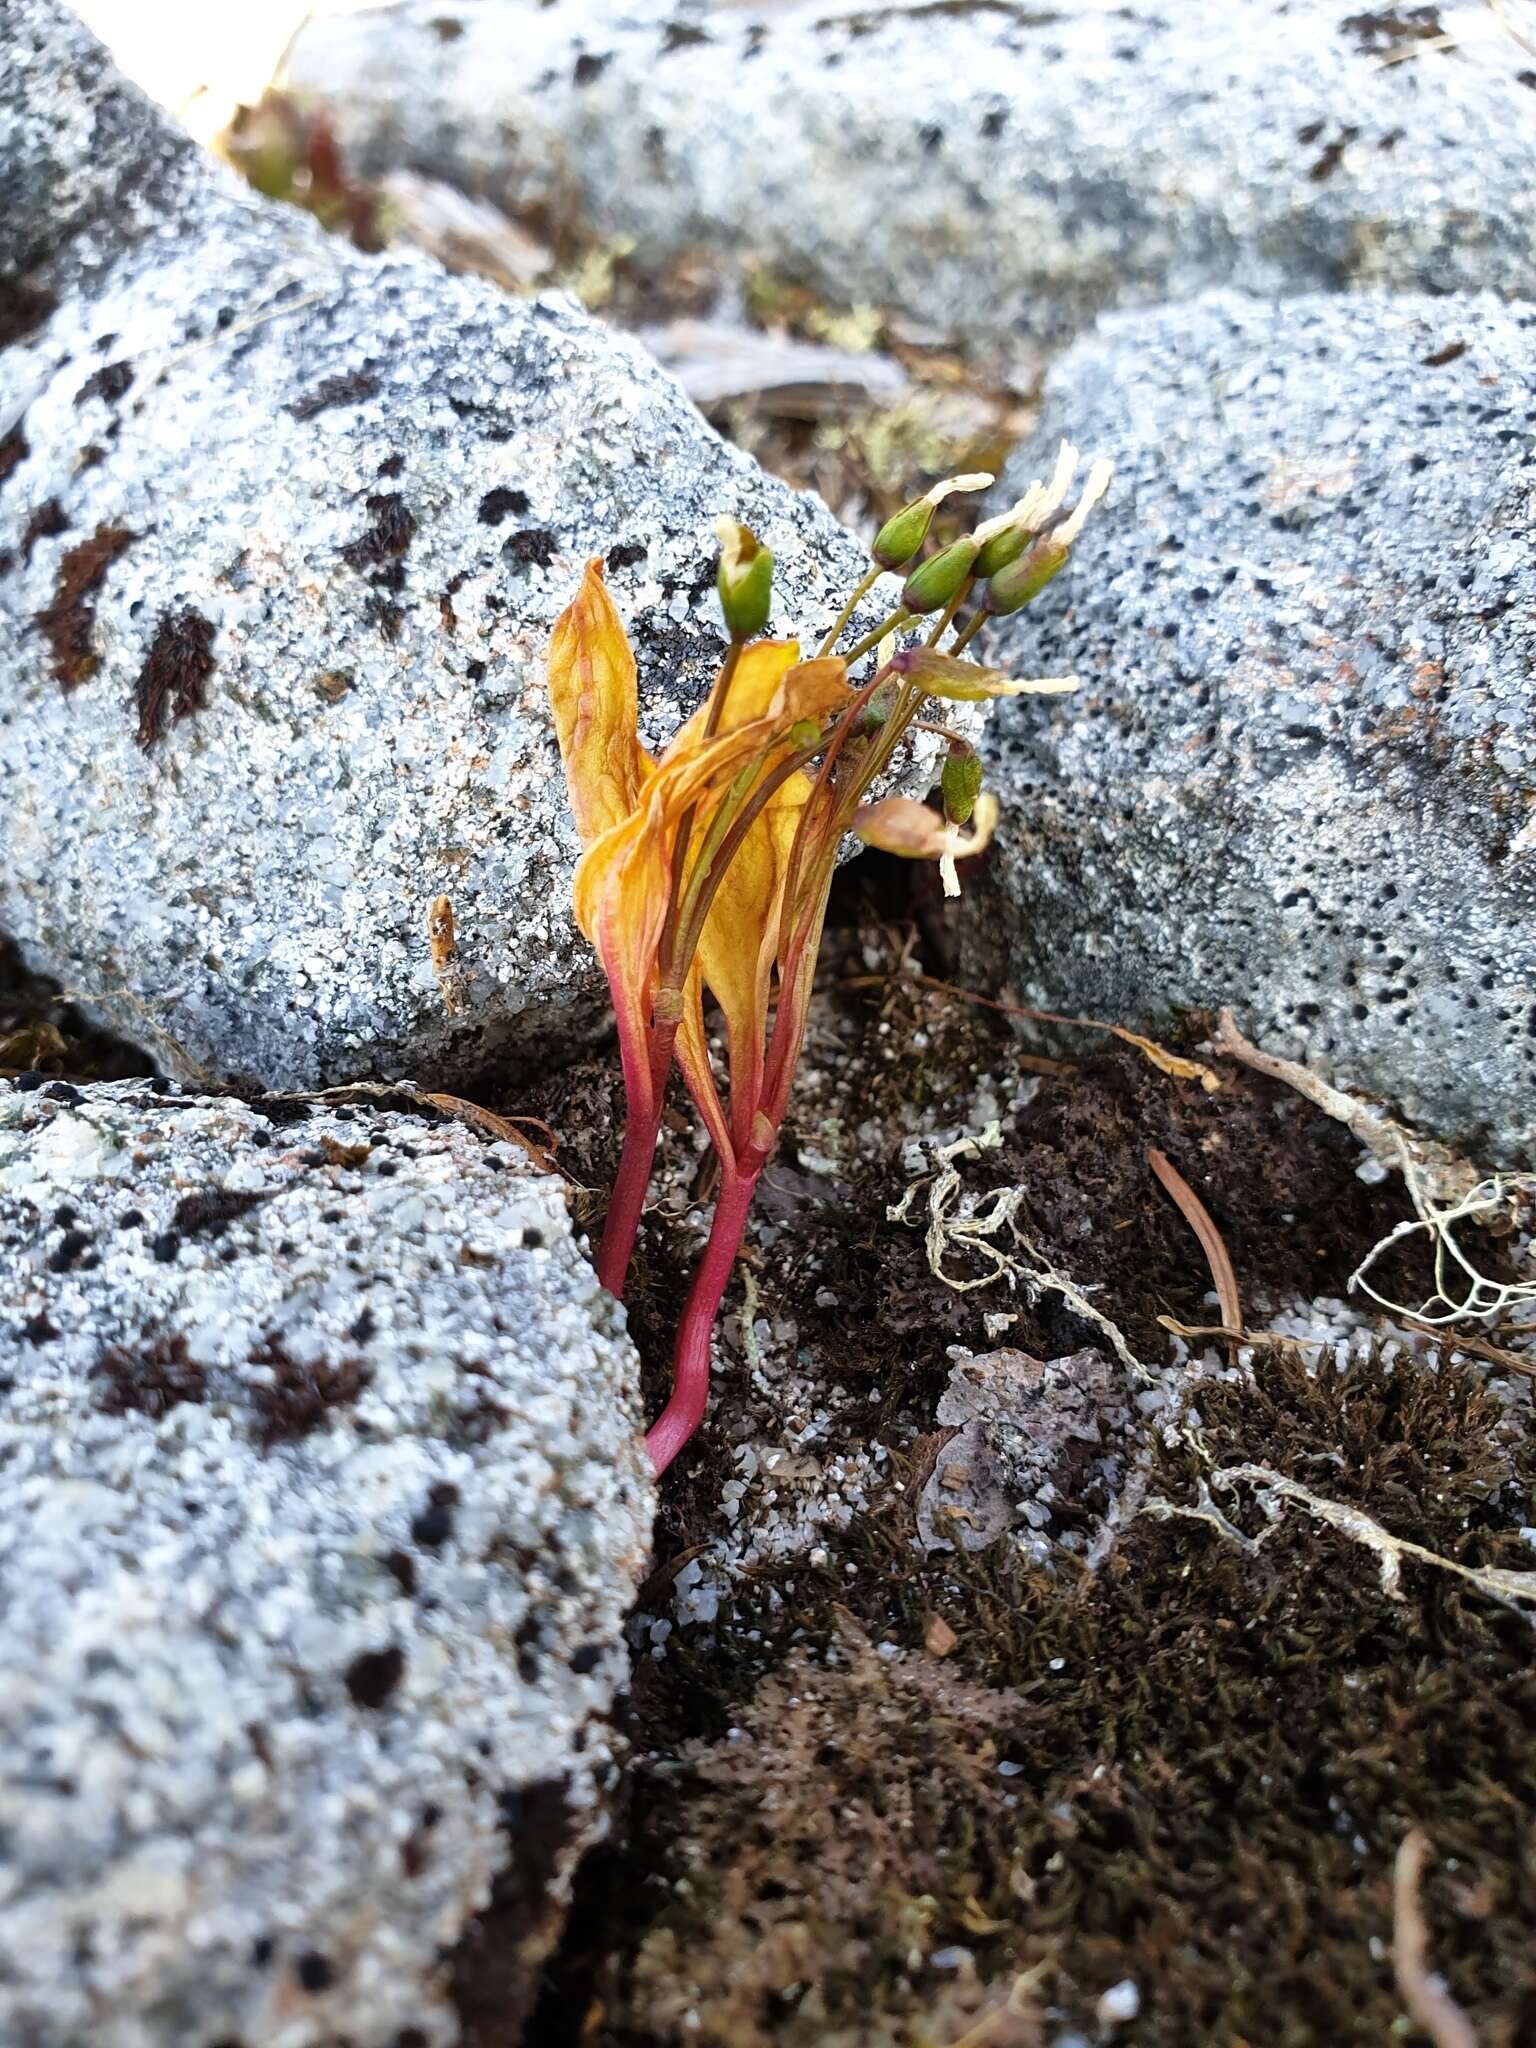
(690, 1378)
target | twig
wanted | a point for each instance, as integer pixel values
(1509, 1587)
(1397, 1148)
(1429, 2005)
(1480, 1347)
(1201, 1222)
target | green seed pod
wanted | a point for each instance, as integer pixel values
(1016, 585)
(805, 732)
(745, 580)
(933, 583)
(960, 783)
(903, 534)
(1001, 549)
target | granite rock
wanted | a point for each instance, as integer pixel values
(995, 173)
(1300, 776)
(283, 529)
(321, 1505)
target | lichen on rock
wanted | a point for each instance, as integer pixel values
(323, 1503)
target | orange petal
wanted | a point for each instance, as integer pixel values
(592, 692)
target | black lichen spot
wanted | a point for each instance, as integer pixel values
(491, 1985)
(173, 683)
(108, 383)
(625, 554)
(392, 465)
(297, 1398)
(38, 1330)
(682, 35)
(364, 1327)
(588, 69)
(66, 1253)
(531, 545)
(390, 535)
(151, 1380)
(350, 389)
(1378, 33)
(263, 1948)
(23, 309)
(165, 1247)
(401, 1567)
(993, 124)
(61, 1091)
(281, 1110)
(13, 449)
(66, 623)
(497, 503)
(314, 1971)
(91, 455)
(210, 1213)
(434, 1525)
(446, 29)
(475, 670)
(45, 522)
(373, 1676)
(586, 1659)
(378, 553)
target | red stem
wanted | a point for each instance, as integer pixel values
(690, 1374)
(642, 1126)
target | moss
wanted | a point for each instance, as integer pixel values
(1212, 1756)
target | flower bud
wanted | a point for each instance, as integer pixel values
(999, 550)
(745, 579)
(933, 583)
(903, 534)
(960, 784)
(905, 531)
(1018, 583)
(967, 682)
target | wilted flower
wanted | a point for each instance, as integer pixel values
(709, 867)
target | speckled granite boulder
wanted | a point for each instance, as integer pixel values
(1301, 775)
(282, 533)
(321, 1504)
(995, 172)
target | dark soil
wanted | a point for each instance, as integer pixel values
(41, 1032)
(1193, 1769)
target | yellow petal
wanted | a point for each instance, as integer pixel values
(739, 941)
(692, 1049)
(759, 671)
(592, 693)
(620, 899)
(811, 689)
